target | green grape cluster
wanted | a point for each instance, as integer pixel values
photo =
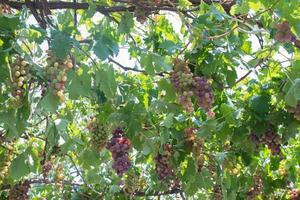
(295, 111)
(19, 191)
(133, 183)
(6, 161)
(59, 175)
(197, 146)
(99, 134)
(19, 76)
(57, 74)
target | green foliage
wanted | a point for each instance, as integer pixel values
(124, 54)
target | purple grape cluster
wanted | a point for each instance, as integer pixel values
(295, 111)
(203, 93)
(163, 167)
(272, 140)
(119, 147)
(187, 86)
(284, 33)
(19, 191)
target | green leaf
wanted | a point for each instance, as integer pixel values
(293, 95)
(105, 46)
(79, 83)
(228, 112)
(9, 22)
(260, 104)
(89, 158)
(52, 134)
(126, 23)
(165, 85)
(49, 102)
(168, 122)
(60, 44)
(19, 167)
(207, 128)
(105, 78)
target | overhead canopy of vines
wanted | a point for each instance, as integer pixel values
(141, 99)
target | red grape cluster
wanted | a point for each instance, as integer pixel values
(6, 161)
(99, 134)
(187, 86)
(272, 140)
(294, 194)
(20, 77)
(256, 189)
(119, 147)
(284, 33)
(19, 191)
(46, 168)
(163, 167)
(5, 9)
(57, 74)
(295, 111)
(197, 146)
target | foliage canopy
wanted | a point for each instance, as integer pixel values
(208, 108)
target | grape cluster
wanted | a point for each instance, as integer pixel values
(7, 158)
(256, 189)
(59, 174)
(5, 9)
(284, 33)
(197, 146)
(163, 167)
(20, 191)
(20, 77)
(99, 134)
(57, 74)
(217, 192)
(46, 168)
(133, 183)
(295, 111)
(187, 86)
(272, 140)
(119, 146)
(203, 93)
(294, 194)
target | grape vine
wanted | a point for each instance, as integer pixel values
(119, 147)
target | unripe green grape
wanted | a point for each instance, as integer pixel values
(23, 63)
(56, 64)
(20, 84)
(23, 72)
(64, 78)
(21, 79)
(17, 73)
